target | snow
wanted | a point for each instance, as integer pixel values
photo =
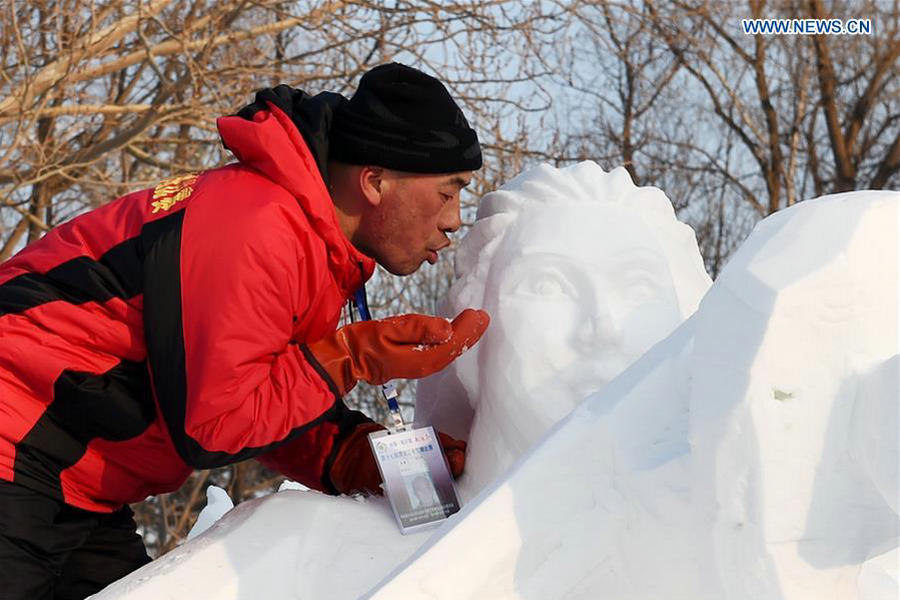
(217, 504)
(291, 544)
(752, 453)
(287, 484)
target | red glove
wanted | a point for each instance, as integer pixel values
(354, 468)
(455, 451)
(407, 347)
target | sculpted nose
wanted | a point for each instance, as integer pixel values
(601, 329)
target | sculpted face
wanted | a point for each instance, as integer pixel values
(573, 304)
(581, 272)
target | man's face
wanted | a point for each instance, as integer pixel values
(412, 220)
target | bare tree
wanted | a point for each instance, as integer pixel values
(734, 126)
(103, 98)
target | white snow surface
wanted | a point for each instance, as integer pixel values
(218, 502)
(291, 544)
(752, 453)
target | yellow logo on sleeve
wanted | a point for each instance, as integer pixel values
(172, 191)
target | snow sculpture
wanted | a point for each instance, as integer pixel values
(751, 455)
(582, 272)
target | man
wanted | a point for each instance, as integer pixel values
(193, 325)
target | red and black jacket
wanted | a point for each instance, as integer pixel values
(165, 331)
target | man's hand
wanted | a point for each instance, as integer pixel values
(455, 451)
(354, 468)
(407, 347)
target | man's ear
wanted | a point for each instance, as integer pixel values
(371, 184)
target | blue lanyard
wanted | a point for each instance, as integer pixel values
(387, 389)
(362, 304)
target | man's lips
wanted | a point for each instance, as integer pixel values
(432, 255)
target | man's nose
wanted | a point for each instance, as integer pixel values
(451, 219)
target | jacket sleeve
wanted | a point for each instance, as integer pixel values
(308, 458)
(222, 291)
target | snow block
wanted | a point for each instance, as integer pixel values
(753, 454)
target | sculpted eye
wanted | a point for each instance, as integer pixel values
(546, 284)
(641, 288)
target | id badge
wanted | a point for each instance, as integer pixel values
(417, 479)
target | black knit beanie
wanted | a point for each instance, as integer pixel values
(403, 119)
